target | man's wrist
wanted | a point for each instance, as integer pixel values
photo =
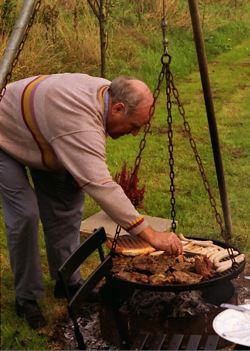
(147, 234)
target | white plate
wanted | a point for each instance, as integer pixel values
(234, 326)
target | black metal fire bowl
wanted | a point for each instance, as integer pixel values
(216, 282)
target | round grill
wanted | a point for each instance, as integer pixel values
(217, 278)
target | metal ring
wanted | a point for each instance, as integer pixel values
(165, 59)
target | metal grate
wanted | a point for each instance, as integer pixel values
(227, 275)
(148, 341)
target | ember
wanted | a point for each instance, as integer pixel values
(163, 305)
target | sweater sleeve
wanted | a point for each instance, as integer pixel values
(83, 155)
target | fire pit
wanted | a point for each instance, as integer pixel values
(165, 311)
(167, 315)
(171, 308)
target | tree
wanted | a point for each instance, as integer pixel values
(101, 10)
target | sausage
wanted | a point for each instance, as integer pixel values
(204, 243)
(182, 237)
(222, 254)
(224, 265)
(213, 255)
(211, 250)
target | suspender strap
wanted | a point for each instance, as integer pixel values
(48, 156)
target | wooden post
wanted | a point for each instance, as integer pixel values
(202, 60)
(15, 40)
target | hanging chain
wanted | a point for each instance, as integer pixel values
(165, 62)
(14, 63)
(166, 59)
(170, 141)
(196, 155)
(142, 144)
(170, 88)
(201, 167)
(147, 127)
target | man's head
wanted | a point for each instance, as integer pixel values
(129, 106)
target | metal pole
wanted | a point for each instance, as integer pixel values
(201, 54)
(15, 40)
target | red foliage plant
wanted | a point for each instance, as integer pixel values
(128, 180)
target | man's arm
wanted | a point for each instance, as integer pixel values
(167, 241)
(79, 153)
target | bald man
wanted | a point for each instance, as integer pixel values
(55, 126)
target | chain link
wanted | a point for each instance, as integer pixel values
(197, 156)
(14, 63)
(147, 128)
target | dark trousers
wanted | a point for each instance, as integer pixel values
(57, 200)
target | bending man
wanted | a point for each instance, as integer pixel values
(56, 126)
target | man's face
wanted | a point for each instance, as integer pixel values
(118, 124)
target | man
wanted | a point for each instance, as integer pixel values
(56, 125)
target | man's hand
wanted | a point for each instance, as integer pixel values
(166, 241)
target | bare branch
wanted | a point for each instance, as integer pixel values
(93, 6)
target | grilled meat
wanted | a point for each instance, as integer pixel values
(133, 276)
(204, 266)
(150, 264)
(163, 269)
(161, 279)
(121, 263)
(181, 277)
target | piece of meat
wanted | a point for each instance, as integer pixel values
(204, 266)
(133, 277)
(121, 263)
(166, 260)
(184, 266)
(142, 263)
(161, 279)
(186, 277)
(149, 264)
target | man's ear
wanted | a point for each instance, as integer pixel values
(118, 107)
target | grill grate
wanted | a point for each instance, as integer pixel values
(148, 341)
(227, 275)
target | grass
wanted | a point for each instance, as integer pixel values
(138, 53)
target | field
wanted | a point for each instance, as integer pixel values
(69, 43)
